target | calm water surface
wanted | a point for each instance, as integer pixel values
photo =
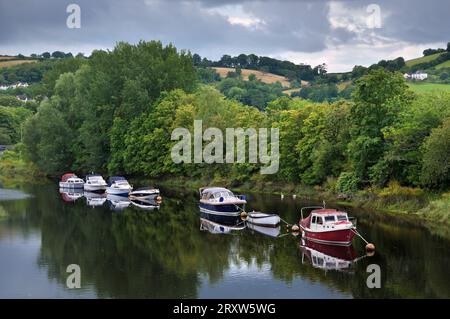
(126, 251)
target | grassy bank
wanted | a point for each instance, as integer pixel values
(16, 171)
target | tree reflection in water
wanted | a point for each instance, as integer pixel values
(163, 254)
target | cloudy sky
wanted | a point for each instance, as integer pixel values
(338, 33)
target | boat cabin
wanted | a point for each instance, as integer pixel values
(325, 219)
(219, 195)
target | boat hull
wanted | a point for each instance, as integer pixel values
(118, 191)
(94, 188)
(341, 237)
(71, 185)
(265, 220)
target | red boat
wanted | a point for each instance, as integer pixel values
(327, 226)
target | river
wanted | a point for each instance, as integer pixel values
(128, 251)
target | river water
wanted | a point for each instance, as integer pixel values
(126, 250)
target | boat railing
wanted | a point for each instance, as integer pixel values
(309, 207)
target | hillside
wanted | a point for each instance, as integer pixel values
(263, 76)
(423, 59)
(7, 61)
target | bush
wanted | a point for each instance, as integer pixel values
(408, 198)
(347, 183)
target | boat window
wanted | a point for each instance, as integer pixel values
(314, 220)
(319, 220)
(341, 217)
(330, 218)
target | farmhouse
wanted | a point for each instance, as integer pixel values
(13, 86)
(418, 76)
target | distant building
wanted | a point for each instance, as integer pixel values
(418, 76)
(13, 86)
(23, 98)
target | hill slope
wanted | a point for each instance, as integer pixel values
(423, 59)
(263, 76)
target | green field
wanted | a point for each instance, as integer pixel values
(446, 64)
(422, 59)
(428, 87)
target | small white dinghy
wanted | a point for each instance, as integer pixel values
(263, 219)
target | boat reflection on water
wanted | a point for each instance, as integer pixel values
(145, 204)
(94, 199)
(210, 225)
(267, 231)
(328, 257)
(118, 202)
(70, 195)
(115, 202)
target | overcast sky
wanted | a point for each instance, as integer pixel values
(338, 33)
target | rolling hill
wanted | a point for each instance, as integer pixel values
(423, 59)
(7, 61)
(263, 76)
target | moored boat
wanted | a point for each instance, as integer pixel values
(263, 219)
(94, 183)
(144, 193)
(70, 180)
(220, 205)
(327, 226)
(118, 185)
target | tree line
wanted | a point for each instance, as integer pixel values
(116, 111)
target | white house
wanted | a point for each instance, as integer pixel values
(13, 86)
(418, 76)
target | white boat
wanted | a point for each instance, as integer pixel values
(145, 193)
(221, 205)
(94, 183)
(71, 181)
(118, 185)
(263, 219)
(267, 231)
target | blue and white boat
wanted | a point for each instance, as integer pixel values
(118, 185)
(220, 205)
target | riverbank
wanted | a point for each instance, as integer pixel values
(431, 210)
(15, 171)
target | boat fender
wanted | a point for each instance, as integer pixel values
(295, 228)
(370, 247)
(244, 215)
(158, 199)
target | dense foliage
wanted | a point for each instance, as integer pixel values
(115, 113)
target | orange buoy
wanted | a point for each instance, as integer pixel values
(158, 199)
(244, 215)
(295, 228)
(370, 247)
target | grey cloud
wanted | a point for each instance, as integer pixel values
(301, 26)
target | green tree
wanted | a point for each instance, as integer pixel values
(436, 158)
(378, 97)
